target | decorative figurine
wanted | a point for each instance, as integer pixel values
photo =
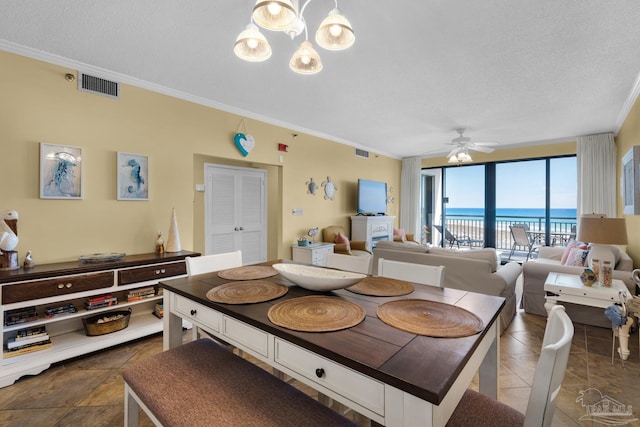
(160, 243)
(312, 187)
(329, 189)
(313, 232)
(28, 260)
(173, 241)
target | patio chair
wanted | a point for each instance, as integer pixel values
(522, 238)
(455, 240)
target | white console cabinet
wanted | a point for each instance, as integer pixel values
(372, 229)
(314, 254)
(59, 284)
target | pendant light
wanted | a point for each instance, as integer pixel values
(251, 45)
(335, 32)
(306, 60)
(274, 15)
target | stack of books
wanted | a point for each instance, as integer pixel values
(158, 311)
(57, 311)
(20, 315)
(141, 293)
(100, 301)
(27, 341)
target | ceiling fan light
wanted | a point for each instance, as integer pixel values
(453, 159)
(276, 15)
(306, 60)
(464, 158)
(251, 45)
(335, 32)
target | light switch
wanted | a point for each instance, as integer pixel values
(199, 187)
(297, 211)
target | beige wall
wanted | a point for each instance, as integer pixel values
(39, 105)
(629, 136)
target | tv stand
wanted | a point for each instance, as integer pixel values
(372, 229)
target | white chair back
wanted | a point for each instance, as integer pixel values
(215, 262)
(357, 264)
(418, 273)
(550, 370)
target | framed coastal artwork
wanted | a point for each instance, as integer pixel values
(133, 176)
(60, 172)
(630, 184)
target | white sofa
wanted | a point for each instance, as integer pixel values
(535, 273)
(474, 270)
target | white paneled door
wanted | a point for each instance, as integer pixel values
(235, 211)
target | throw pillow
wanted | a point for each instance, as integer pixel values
(565, 254)
(399, 235)
(341, 238)
(578, 257)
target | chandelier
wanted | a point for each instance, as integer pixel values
(334, 33)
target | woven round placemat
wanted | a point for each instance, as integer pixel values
(430, 318)
(248, 272)
(316, 313)
(246, 292)
(381, 287)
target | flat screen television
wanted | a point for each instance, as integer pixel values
(372, 197)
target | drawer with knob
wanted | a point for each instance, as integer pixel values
(197, 313)
(151, 272)
(62, 285)
(352, 385)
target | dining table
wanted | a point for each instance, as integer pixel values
(391, 376)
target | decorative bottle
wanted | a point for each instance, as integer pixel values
(595, 267)
(606, 272)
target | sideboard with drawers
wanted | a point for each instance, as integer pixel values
(47, 287)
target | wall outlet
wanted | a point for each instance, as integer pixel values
(200, 187)
(297, 211)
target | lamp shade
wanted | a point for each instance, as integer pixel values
(306, 60)
(251, 45)
(274, 15)
(601, 230)
(335, 32)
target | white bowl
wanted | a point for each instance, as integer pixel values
(318, 278)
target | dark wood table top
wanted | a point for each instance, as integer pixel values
(423, 366)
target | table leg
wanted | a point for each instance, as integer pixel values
(623, 335)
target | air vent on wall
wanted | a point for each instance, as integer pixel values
(93, 84)
(362, 153)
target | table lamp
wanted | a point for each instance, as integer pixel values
(601, 231)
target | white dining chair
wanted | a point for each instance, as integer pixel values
(207, 264)
(357, 264)
(477, 410)
(411, 272)
(214, 262)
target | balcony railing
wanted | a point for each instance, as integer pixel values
(560, 231)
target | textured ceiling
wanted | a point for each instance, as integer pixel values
(515, 72)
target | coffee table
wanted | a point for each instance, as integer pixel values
(569, 288)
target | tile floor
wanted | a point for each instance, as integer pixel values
(87, 391)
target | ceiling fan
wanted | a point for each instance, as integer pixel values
(462, 146)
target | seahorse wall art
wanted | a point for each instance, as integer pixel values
(133, 177)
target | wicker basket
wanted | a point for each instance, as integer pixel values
(93, 328)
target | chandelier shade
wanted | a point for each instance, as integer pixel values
(251, 45)
(306, 60)
(335, 32)
(276, 15)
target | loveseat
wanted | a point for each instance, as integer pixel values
(549, 260)
(474, 270)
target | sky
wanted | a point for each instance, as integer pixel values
(519, 185)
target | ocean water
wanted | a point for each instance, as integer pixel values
(508, 214)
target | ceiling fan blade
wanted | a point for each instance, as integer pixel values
(454, 151)
(481, 148)
(485, 143)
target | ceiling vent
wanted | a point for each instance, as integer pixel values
(362, 153)
(93, 84)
